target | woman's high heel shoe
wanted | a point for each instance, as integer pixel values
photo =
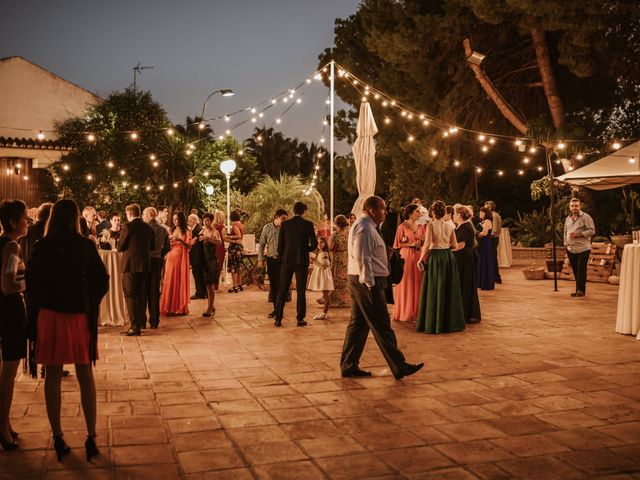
(13, 434)
(8, 446)
(60, 447)
(90, 447)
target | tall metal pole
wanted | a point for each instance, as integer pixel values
(332, 94)
(228, 203)
(552, 214)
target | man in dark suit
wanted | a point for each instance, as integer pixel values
(136, 243)
(160, 249)
(296, 240)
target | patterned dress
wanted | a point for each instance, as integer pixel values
(234, 258)
(340, 295)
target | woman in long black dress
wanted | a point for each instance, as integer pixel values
(484, 266)
(210, 238)
(465, 234)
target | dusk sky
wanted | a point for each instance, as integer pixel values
(256, 48)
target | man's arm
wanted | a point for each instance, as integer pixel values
(262, 243)
(589, 228)
(281, 241)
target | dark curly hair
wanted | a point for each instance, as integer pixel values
(488, 215)
(408, 210)
(438, 208)
(182, 221)
(341, 222)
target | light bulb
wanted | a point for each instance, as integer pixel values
(170, 131)
(404, 114)
(65, 167)
(632, 160)
(110, 164)
(201, 125)
(456, 163)
(26, 177)
(425, 122)
(122, 172)
(387, 120)
(133, 136)
(434, 152)
(410, 138)
(91, 137)
(579, 156)
(525, 160)
(155, 164)
(227, 132)
(253, 110)
(190, 180)
(147, 188)
(616, 146)
(273, 101)
(561, 145)
(532, 150)
(278, 120)
(385, 103)
(175, 185)
(40, 135)
(500, 173)
(478, 169)
(445, 134)
(152, 157)
(226, 118)
(520, 172)
(161, 187)
(485, 149)
(89, 177)
(492, 140)
(518, 142)
(298, 100)
(220, 137)
(539, 168)
(482, 137)
(453, 130)
(135, 187)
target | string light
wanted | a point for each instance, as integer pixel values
(478, 170)
(425, 123)
(520, 172)
(481, 137)
(155, 164)
(492, 140)
(123, 172)
(518, 142)
(616, 146)
(500, 173)
(91, 137)
(147, 188)
(40, 135)
(434, 152)
(26, 177)
(456, 163)
(133, 135)
(161, 187)
(190, 180)
(539, 168)
(65, 167)
(387, 120)
(226, 118)
(89, 177)
(410, 138)
(632, 160)
(579, 156)
(532, 150)
(110, 164)
(485, 149)
(201, 126)
(561, 146)
(175, 185)
(170, 131)
(152, 157)
(525, 160)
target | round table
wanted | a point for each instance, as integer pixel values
(628, 313)
(505, 256)
(113, 310)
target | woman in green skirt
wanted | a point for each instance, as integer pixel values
(440, 308)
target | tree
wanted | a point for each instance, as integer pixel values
(550, 60)
(111, 168)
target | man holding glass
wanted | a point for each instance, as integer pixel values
(578, 230)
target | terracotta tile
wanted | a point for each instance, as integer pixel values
(597, 462)
(584, 439)
(466, 431)
(139, 436)
(540, 467)
(627, 432)
(283, 402)
(148, 472)
(236, 420)
(177, 398)
(142, 455)
(289, 471)
(394, 439)
(227, 474)
(512, 409)
(206, 460)
(455, 473)
(530, 445)
(197, 424)
(272, 452)
(353, 466)
(292, 415)
(521, 425)
(253, 435)
(414, 460)
(479, 451)
(236, 406)
(311, 429)
(205, 440)
(330, 446)
(186, 410)
(570, 419)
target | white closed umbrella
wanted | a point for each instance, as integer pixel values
(364, 155)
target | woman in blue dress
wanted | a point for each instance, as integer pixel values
(484, 267)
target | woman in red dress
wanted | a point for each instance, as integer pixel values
(175, 288)
(409, 238)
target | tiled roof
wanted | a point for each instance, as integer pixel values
(32, 143)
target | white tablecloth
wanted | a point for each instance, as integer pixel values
(113, 310)
(505, 257)
(628, 315)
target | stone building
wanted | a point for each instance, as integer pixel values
(32, 101)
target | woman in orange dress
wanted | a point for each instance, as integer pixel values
(409, 238)
(175, 288)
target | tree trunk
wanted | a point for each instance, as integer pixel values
(493, 94)
(548, 79)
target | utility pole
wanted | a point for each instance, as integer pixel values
(137, 70)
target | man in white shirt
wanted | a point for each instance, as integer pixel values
(368, 270)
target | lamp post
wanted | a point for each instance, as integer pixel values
(225, 92)
(228, 167)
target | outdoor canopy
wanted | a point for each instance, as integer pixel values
(364, 156)
(613, 171)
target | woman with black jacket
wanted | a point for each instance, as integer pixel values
(66, 281)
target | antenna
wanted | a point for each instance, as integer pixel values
(137, 70)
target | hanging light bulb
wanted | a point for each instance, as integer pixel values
(520, 172)
(40, 135)
(273, 101)
(616, 146)
(492, 140)
(124, 184)
(122, 172)
(135, 187)
(91, 137)
(133, 135)
(445, 134)
(226, 118)
(485, 149)
(518, 142)
(56, 179)
(147, 188)
(434, 152)
(456, 163)
(482, 137)
(579, 156)
(387, 120)
(110, 164)
(532, 150)
(525, 160)
(155, 164)
(206, 174)
(278, 120)
(385, 103)
(632, 160)
(25, 178)
(161, 187)
(393, 103)
(261, 115)
(65, 167)
(170, 131)
(453, 130)
(253, 110)
(152, 157)
(201, 125)
(425, 122)
(89, 177)
(539, 168)
(410, 138)
(561, 145)
(175, 185)
(478, 170)
(500, 173)
(190, 180)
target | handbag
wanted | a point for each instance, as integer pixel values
(396, 267)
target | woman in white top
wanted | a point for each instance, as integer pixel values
(441, 308)
(321, 279)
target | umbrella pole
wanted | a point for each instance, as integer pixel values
(331, 143)
(552, 214)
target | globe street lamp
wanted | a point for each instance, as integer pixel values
(225, 92)
(209, 191)
(228, 167)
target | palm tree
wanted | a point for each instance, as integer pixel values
(192, 131)
(282, 192)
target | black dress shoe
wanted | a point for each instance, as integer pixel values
(579, 294)
(272, 314)
(408, 369)
(154, 325)
(131, 333)
(302, 323)
(278, 323)
(356, 372)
